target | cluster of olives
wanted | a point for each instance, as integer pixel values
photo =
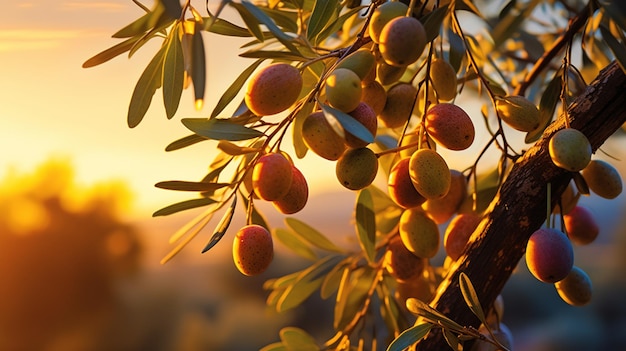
(274, 178)
(550, 255)
(367, 85)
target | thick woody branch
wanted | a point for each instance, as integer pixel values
(519, 209)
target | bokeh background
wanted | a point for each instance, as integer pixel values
(80, 251)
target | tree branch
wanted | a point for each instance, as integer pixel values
(574, 27)
(519, 208)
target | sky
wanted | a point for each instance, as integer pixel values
(52, 107)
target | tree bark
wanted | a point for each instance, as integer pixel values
(519, 208)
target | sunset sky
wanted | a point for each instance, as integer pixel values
(52, 107)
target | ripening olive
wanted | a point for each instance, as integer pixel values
(253, 250)
(357, 168)
(419, 233)
(273, 89)
(603, 179)
(343, 89)
(450, 126)
(519, 113)
(271, 176)
(297, 195)
(430, 174)
(549, 255)
(402, 41)
(570, 149)
(320, 137)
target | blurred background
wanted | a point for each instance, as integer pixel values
(80, 251)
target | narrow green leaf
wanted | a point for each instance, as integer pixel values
(263, 18)
(471, 299)
(181, 185)
(274, 55)
(311, 235)
(220, 162)
(222, 226)
(297, 339)
(111, 52)
(298, 141)
(156, 24)
(381, 199)
(332, 280)
(297, 293)
(220, 129)
(142, 24)
(234, 149)
(252, 23)
(547, 106)
(148, 83)
(410, 337)
(284, 18)
(432, 22)
(234, 88)
(618, 49)
(342, 294)
(281, 282)
(294, 243)
(308, 281)
(452, 340)
(199, 223)
(457, 50)
(366, 224)
(348, 123)
(223, 27)
(390, 310)
(336, 25)
(182, 206)
(355, 295)
(173, 73)
(184, 142)
(198, 66)
(422, 309)
(324, 12)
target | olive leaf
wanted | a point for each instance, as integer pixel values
(311, 235)
(222, 226)
(234, 88)
(366, 224)
(220, 129)
(294, 243)
(148, 83)
(471, 299)
(182, 185)
(173, 73)
(183, 205)
(184, 142)
(347, 123)
(410, 337)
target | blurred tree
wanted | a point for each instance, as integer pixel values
(62, 248)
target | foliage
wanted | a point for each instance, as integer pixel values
(64, 248)
(543, 50)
